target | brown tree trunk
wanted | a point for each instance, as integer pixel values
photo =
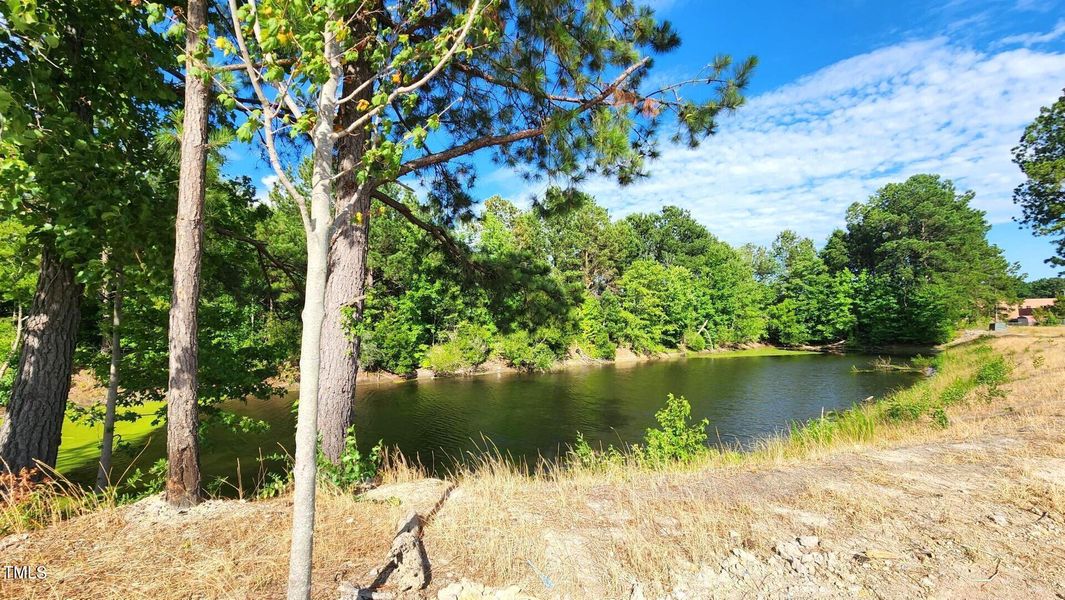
(103, 476)
(33, 427)
(182, 443)
(345, 290)
(344, 295)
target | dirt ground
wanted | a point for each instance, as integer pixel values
(976, 510)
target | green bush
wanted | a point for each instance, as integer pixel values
(353, 468)
(521, 351)
(923, 362)
(993, 374)
(677, 438)
(446, 359)
(469, 346)
(904, 409)
(955, 392)
(694, 341)
(582, 454)
(392, 345)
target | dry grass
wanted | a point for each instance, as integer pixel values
(595, 530)
(228, 549)
(862, 481)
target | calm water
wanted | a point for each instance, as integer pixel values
(525, 416)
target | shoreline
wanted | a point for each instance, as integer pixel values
(624, 357)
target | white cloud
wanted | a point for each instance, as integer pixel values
(797, 156)
(1030, 39)
(266, 184)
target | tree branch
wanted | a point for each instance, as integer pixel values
(406, 89)
(268, 116)
(438, 233)
(498, 140)
(261, 247)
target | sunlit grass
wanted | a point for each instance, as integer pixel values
(768, 351)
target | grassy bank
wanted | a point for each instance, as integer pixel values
(963, 373)
(660, 524)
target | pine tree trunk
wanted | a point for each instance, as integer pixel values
(344, 299)
(103, 477)
(318, 237)
(182, 444)
(33, 427)
(345, 290)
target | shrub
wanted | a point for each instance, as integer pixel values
(923, 362)
(392, 345)
(582, 454)
(353, 469)
(694, 341)
(677, 438)
(141, 484)
(521, 351)
(445, 358)
(903, 408)
(993, 374)
(939, 417)
(955, 392)
(468, 346)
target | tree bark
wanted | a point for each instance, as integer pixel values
(345, 289)
(33, 427)
(318, 230)
(103, 477)
(182, 443)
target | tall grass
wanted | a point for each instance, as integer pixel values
(36, 498)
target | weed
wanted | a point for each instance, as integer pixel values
(677, 438)
(353, 468)
(939, 417)
(955, 392)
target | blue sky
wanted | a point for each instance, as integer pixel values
(849, 95)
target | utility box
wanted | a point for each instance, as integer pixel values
(997, 326)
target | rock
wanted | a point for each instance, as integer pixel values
(423, 496)
(409, 563)
(789, 550)
(744, 555)
(809, 541)
(636, 592)
(350, 591)
(999, 519)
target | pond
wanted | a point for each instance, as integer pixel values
(525, 416)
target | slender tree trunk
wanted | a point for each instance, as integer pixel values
(346, 288)
(33, 427)
(318, 236)
(182, 443)
(103, 477)
(14, 344)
